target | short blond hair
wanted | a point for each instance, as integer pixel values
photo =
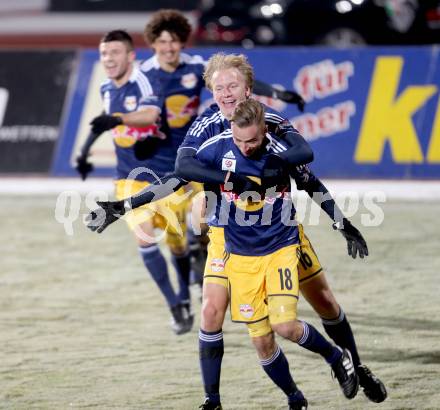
(247, 113)
(222, 61)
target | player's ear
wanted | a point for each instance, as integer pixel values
(132, 56)
(248, 92)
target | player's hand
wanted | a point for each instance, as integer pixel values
(355, 241)
(274, 171)
(107, 213)
(146, 148)
(241, 184)
(104, 122)
(291, 97)
(83, 166)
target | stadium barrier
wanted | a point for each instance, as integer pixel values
(33, 87)
(371, 112)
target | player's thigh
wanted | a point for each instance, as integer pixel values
(318, 294)
(217, 265)
(247, 288)
(282, 285)
(309, 265)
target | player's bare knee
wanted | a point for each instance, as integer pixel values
(265, 345)
(292, 330)
(211, 316)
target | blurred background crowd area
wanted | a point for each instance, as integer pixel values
(247, 23)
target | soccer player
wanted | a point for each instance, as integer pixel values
(262, 242)
(177, 78)
(132, 110)
(180, 78)
(230, 78)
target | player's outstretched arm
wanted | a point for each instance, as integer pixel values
(306, 180)
(110, 211)
(106, 213)
(99, 124)
(190, 168)
(290, 97)
(82, 165)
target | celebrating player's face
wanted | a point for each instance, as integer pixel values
(117, 60)
(167, 49)
(229, 88)
(247, 139)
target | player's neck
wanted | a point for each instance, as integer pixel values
(168, 67)
(119, 82)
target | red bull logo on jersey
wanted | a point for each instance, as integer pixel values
(189, 80)
(246, 310)
(181, 109)
(217, 265)
(130, 103)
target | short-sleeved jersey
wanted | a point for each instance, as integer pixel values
(179, 93)
(132, 96)
(252, 228)
(212, 122)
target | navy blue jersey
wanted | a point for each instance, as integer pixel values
(179, 93)
(255, 228)
(212, 122)
(132, 96)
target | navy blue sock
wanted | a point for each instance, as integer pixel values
(313, 340)
(277, 368)
(157, 266)
(339, 330)
(210, 356)
(183, 268)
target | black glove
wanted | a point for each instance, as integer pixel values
(107, 213)
(291, 97)
(274, 172)
(241, 184)
(83, 166)
(146, 148)
(104, 122)
(355, 241)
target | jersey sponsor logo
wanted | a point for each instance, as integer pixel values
(125, 136)
(217, 265)
(255, 203)
(246, 310)
(130, 103)
(229, 164)
(189, 80)
(181, 109)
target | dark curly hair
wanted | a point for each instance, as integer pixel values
(169, 20)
